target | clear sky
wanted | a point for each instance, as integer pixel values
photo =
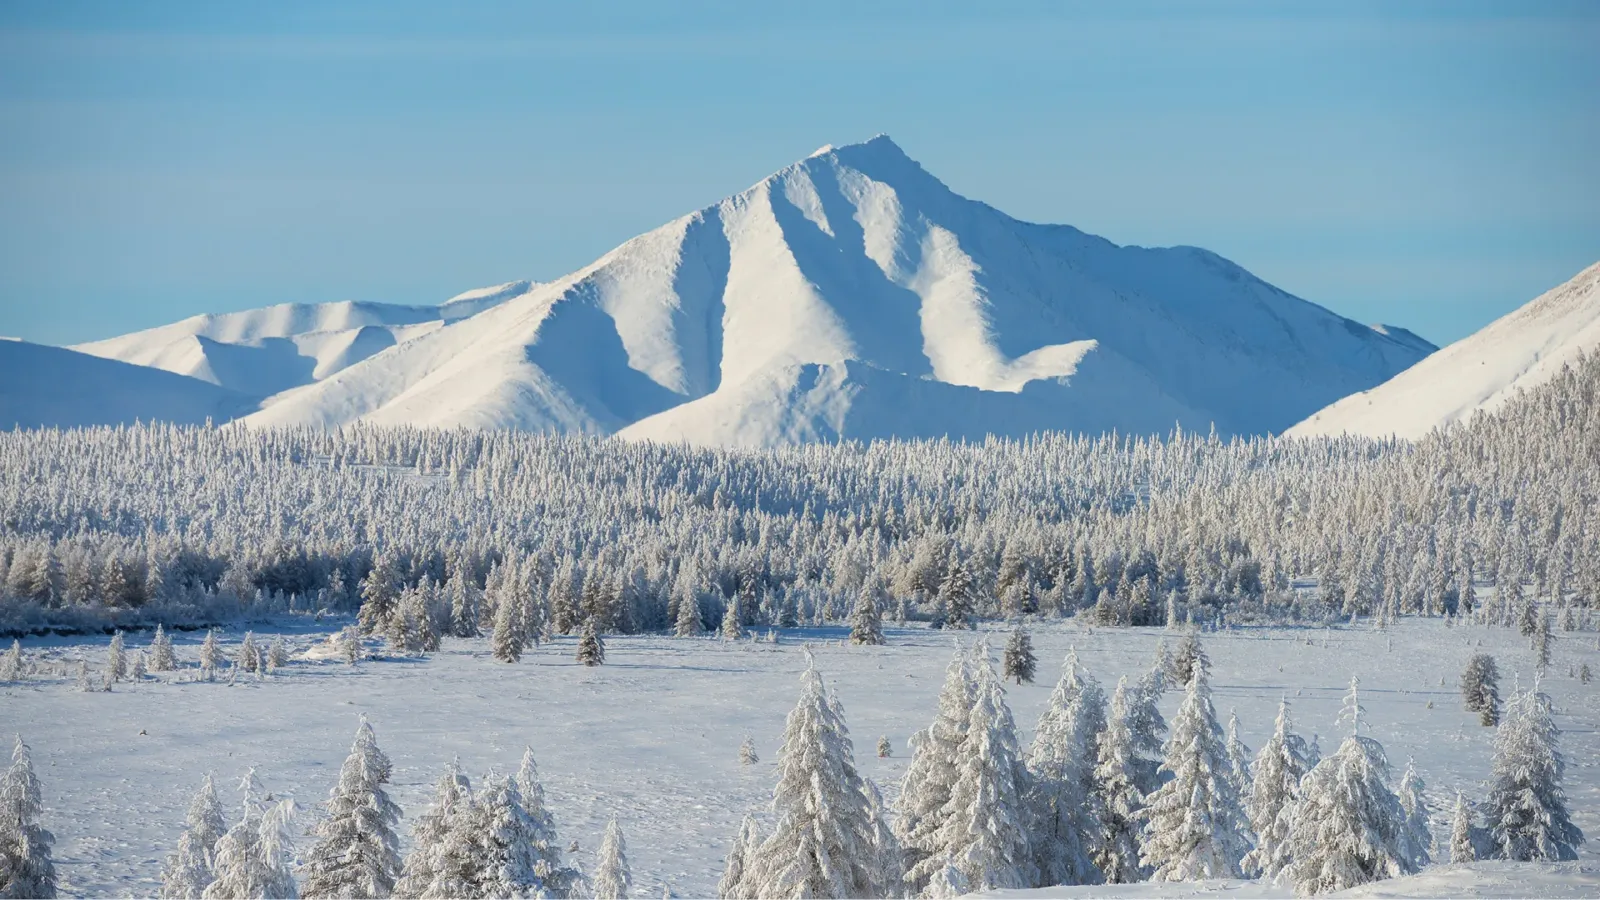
(1429, 165)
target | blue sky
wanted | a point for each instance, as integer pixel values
(1429, 165)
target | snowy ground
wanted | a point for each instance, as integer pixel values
(653, 736)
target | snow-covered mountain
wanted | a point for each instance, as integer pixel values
(43, 386)
(261, 352)
(1480, 372)
(854, 295)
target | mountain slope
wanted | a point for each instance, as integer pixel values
(854, 295)
(265, 351)
(1480, 372)
(44, 386)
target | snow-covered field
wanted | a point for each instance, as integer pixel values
(652, 737)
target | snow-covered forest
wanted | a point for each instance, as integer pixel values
(1357, 604)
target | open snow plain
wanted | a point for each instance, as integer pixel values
(652, 737)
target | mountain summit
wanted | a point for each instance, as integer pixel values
(853, 295)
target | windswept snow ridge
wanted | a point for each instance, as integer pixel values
(44, 386)
(1479, 373)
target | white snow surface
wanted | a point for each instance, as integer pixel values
(43, 386)
(1478, 373)
(260, 352)
(652, 737)
(852, 295)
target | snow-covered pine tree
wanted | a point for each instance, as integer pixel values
(11, 663)
(688, 623)
(248, 657)
(251, 860)
(1118, 799)
(1061, 799)
(161, 655)
(925, 789)
(494, 841)
(138, 670)
(210, 655)
(891, 863)
(823, 842)
(507, 640)
(1019, 662)
(379, 591)
(560, 880)
(1148, 728)
(866, 620)
(732, 622)
(26, 869)
(1462, 849)
(1274, 789)
(612, 880)
(745, 843)
(1189, 655)
(1526, 809)
(591, 649)
(747, 752)
(356, 854)
(985, 835)
(277, 654)
(1349, 827)
(1195, 828)
(442, 859)
(957, 597)
(1238, 756)
(1480, 688)
(885, 749)
(1542, 640)
(83, 683)
(1419, 833)
(464, 612)
(188, 870)
(116, 659)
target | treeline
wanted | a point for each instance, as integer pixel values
(118, 526)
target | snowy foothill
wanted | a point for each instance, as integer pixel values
(653, 736)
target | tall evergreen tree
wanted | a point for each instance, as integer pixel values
(958, 597)
(560, 879)
(1480, 688)
(612, 879)
(591, 649)
(1419, 834)
(1462, 847)
(26, 869)
(1118, 799)
(356, 854)
(1195, 828)
(1066, 820)
(1274, 789)
(866, 620)
(507, 640)
(116, 659)
(823, 842)
(188, 869)
(1019, 662)
(1526, 809)
(442, 861)
(925, 789)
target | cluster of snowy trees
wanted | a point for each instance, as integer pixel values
(497, 841)
(455, 532)
(1100, 797)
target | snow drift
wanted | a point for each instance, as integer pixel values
(1478, 373)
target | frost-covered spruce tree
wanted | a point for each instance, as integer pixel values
(745, 843)
(442, 858)
(1238, 756)
(161, 655)
(1019, 662)
(732, 622)
(1148, 728)
(26, 869)
(823, 842)
(591, 649)
(1526, 809)
(1195, 828)
(1348, 828)
(985, 834)
(498, 846)
(507, 640)
(688, 622)
(612, 880)
(188, 870)
(116, 659)
(1274, 789)
(1118, 799)
(1462, 848)
(11, 663)
(1542, 640)
(1061, 799)
(957, 597)
(1189, 655)
(1480, 688)
(747, 752)
(464, 611)
(356, 854)
(866, 620)
(891, 863)
(252, 859)
(925, 789)
(248, 656)
(1418, 832)
(210, 655)
(277, 654)
(560, 880)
